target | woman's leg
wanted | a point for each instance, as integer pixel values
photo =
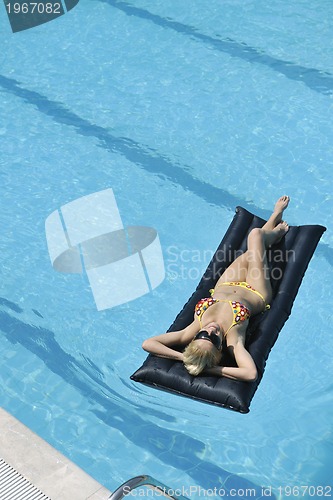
(239, 269)
(257, 271)
(276, 216)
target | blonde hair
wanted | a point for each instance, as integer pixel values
(197, 359)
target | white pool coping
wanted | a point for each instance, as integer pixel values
(43, 466)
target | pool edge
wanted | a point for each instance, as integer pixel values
(45, 467)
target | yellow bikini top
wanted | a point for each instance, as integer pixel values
(240, 311)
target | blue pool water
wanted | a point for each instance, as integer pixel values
(185, 109)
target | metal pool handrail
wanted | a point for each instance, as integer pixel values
(136, 482)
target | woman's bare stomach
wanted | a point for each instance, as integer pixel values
(250, 299)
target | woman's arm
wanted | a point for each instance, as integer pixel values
(161, 345)
(246, 369)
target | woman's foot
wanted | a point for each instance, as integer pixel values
(276, 216)
(281, 205)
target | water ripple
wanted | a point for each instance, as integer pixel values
(172, 447)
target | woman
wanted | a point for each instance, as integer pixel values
(242, 291)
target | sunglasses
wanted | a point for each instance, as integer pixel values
(213, 338)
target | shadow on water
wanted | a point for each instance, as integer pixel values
(319, 81)
(144, 156)
(149, 159)
(42, 343)
(174, 448)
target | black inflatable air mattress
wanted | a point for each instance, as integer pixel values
(288, 262)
